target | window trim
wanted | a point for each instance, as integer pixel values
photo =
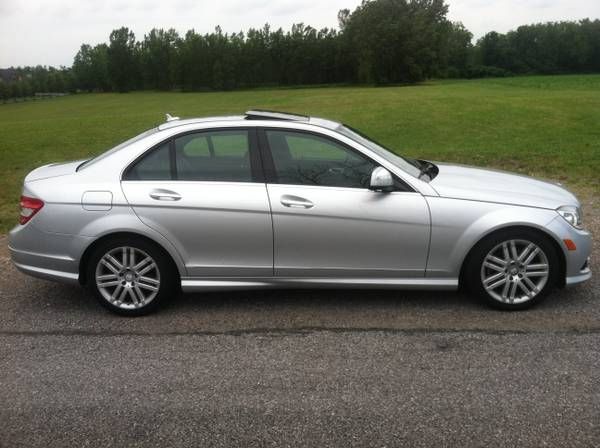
(256, 167)
(270, 171)
(173, 160)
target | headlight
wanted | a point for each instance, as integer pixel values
(572, 215)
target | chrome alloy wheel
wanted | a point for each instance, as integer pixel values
(128, 278)
(515, 271)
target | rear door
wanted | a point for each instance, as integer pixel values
(205, 192)
(326, 221)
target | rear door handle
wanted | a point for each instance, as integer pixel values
(296, 202)
(165, 195)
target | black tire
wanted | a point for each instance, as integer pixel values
(477, 256)
(163, 268)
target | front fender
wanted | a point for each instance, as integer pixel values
(457, 225)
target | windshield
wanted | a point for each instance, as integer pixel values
(411, 166)
(117, 148)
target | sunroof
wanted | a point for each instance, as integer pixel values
(258, 114)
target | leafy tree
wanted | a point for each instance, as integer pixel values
(407, 45)
(545, 48)
(457, 50)
(16, 89)
(4, 91)
(343, 18)
(191, 74)
(83, 69)
(590, 31)
(217, 76)
(26, 88)
(159, 54)
(494, 50)
(90, 68)
(123, 67)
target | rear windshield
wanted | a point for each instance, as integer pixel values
(90, 162)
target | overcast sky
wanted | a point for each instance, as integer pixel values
(49, 32)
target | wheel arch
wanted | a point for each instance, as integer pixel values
(83, 262)
(548, 235)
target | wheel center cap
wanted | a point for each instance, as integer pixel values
(129, 277)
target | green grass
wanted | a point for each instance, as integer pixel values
(542, 126)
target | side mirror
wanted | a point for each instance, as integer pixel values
(381, 180)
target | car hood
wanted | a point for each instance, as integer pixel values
(471, 183)
(53, 170)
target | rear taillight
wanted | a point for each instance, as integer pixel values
(29, 207)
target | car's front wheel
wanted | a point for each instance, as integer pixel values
(129, 276)
(513, 269)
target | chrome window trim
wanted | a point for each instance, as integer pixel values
(253, 147)
(418, 185)
(366, 153)
(349, 189)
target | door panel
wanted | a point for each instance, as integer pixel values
(348, 232)
(220, 229)
(203, 190)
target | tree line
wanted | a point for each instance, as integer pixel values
(550, 48)
(24, 82)
(380, 42)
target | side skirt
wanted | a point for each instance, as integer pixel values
(228, 283)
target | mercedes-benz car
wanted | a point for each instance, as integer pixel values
(270, 199)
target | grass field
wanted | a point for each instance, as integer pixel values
(542, 126)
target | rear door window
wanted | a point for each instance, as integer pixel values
(219, 156)
(155, 165)
(214, 156)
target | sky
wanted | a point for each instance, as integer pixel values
(50, 32)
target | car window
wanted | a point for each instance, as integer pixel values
(202, 156)
(214, 156)
(307, 159)
(131, 141)
(155, 165)
(409, 165)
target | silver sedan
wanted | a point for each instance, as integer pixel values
(277, 200)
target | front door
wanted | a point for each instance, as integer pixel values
(201, 191)
(326, 221)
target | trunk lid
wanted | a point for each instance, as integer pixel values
(53, 170)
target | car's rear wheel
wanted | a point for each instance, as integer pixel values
(130, 277)
(513, 269)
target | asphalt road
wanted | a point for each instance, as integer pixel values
(298, 368)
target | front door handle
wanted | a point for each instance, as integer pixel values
(295, 202)
(165, 195)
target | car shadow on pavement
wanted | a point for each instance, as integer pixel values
(32, 305)
(323, 298)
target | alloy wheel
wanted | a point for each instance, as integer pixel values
(515, 271)
(127, 278)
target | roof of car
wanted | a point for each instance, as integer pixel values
(256, 115)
